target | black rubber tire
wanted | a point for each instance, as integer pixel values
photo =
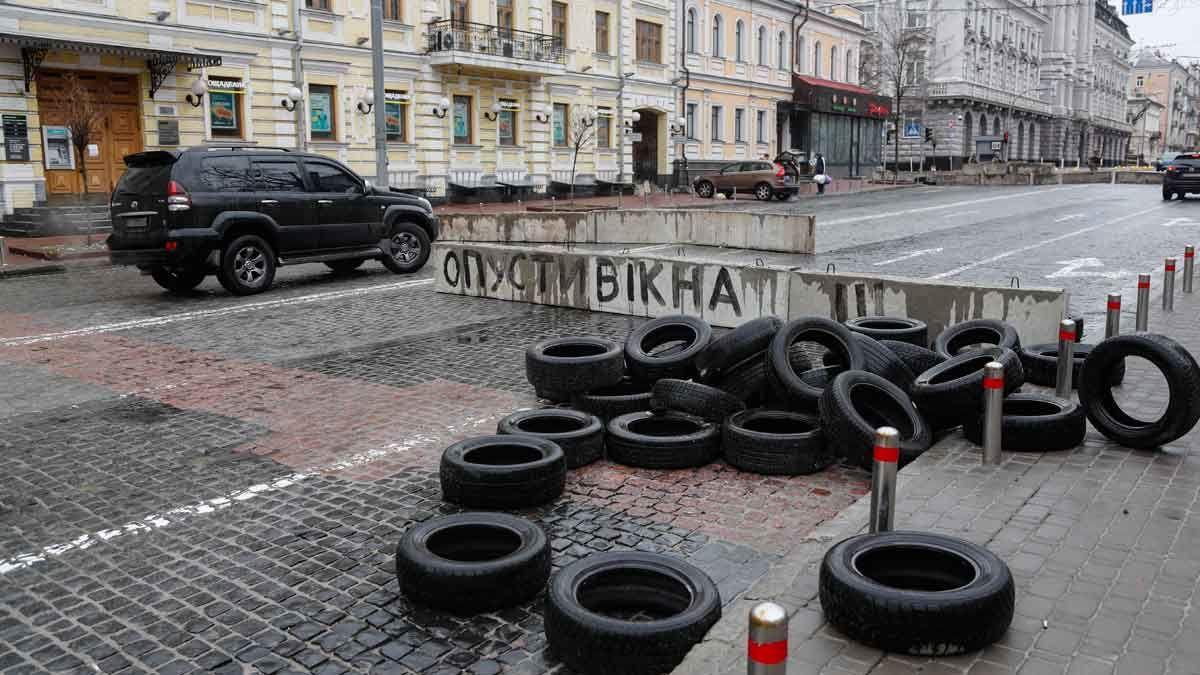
(1179, 369)
(227, 273)
(915, 619)
(345, 266)
(977, 331)
(178, 279)
(786, 383)
(1167, 194)
(763, 192)
(665, 440)
(737, 345)
(705, 190)
(561, 367)
(1033, 423)
(775, 442)
(417, 236)
(694, 398)
(614, 400)
(1041, 364)
(502, 472)
(594, 644)
(646, 366)
(882, 361)
(745, 381)
(857, 403)
(952, 391)
(470, 563)
(900, 329)
(918, 359)
(580, 435)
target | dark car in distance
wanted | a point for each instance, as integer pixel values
(242, 212)
(1182, 176)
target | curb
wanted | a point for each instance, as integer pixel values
(31, 271)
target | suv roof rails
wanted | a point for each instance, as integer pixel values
(210, 148)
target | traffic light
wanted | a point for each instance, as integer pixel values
(928, 135)
(1006, 137)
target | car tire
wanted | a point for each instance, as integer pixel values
(763, 192)
(785, 382)
(950, 392)
(345, 266)
(247, 265)
(560, 367)
(775, 442)
(410, 247)
(469, 563)
(614, 400)
(1040, 363)
(593, 643)
(663, 440)
(580, 435)
(1178, 368)
(694, 398)
(782, 196)
(1033, 423)
(178, 279)
(918, 359)
(1167, 194)
(916, 593)
(745, 381)
(502, 472)
(705, 189)
(737, 345)
(647, 366)
(900, 329)
(880, 360)
(977, 331)
(857, 403)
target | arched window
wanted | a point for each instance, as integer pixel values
(739, 40)
(799, 52)
(851, 73)
(817, 59)
(762, 46)
(691, 30)
(716, 35)
(833, 63)
(781, 47)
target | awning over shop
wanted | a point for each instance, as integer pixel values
(819, 95)
(160, 62)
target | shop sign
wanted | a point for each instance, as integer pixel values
(397, 97)
(878, 110)
(16, 138)
(219, 84)
(510, 106)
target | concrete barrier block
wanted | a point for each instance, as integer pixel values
(557, 228)
(787, 233)
(635, 226)
(512, 273)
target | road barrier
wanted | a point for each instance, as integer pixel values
(1065, 366)
(1169, 285)
(883, 479)
(993, 412)
(1189, 260)
(1112, 320)
(767, 648)
(1142, 320)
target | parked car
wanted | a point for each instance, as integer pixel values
(241, 212)
(1182, 176)
(762, 179)
(1162, 162)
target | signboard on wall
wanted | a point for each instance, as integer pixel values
(16, 138)
(168, 132)
(321, 107)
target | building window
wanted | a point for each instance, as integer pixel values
(716, 35)
(914, 70)
(225, 111)
(321, 112)
(601, 32)
(739, 120)
(558, 21)
(604, 130)
(799, 52)
(833, 63)
(1140, 81)
(460, 11)
(850, 75)
(915, 14)
(395, 124)
(761, 122)
(504, 14)
(781, 48)
(739, 41)
(393, 10)
(463, 132)
(317, 4)
(762, 46)
(716, 123)
(691, 31)
(817, 59)
(690, 119)
(560, 125)
(649, 41)
(506, 123)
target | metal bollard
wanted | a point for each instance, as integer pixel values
(1066, 354)
(3, 252)
(767, 648)
(1189, 260)
(883, 479)
(1112, 323)
(1169, 285)
(1142, 319)
(993, 411)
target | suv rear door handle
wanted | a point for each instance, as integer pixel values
(324, 202)
(269, 202)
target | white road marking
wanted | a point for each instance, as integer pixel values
(1071, 216)
(959, 214)
(1174, 222)
(209, 313)
(910, 255)
(651, 248)
(939, 207)
(1029, 247)
(1075, 268)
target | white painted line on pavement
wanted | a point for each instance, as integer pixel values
(911, 255)
(1071, 216)
(959, 214)
(209, 313)
(1051, 240)
(655, 247)
(939, 207)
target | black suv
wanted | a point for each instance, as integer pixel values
(180, 216)
(1182, 176)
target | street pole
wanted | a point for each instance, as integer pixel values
(380, 110)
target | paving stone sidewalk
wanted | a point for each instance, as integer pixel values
(1103, 541)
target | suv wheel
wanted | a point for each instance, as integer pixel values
(247, 265)
(345, 266)
(705, 189)
(409, 248)
(763, 192)
(178, 279)
(1167, 194)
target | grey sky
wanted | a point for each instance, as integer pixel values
(1174, 21)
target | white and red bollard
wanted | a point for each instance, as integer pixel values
(767, 647)
(1066, 349)
(1189, 262)
(1142, 320)
(1169, 285)
(883, 479)
(993, 411)
(1112, 320)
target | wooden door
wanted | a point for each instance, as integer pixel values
(117, 133)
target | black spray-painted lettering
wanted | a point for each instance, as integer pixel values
(512, 271)
(568, 277)
(629, 280)
(603, 278)
(723, 293)
(498, 270)
(679, 284)
(467, 255)
(540, 260)
(450, 257)
(647, 278)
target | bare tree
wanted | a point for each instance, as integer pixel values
(81, 115)
(579, 134)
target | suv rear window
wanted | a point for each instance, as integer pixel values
(226, 174)
(146, 174)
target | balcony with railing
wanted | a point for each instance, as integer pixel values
(985, 94)
(494, 48)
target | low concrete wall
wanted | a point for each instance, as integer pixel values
(728, 294)
(703, 227)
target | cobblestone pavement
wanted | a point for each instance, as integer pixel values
(1103, 541)
(216, 484)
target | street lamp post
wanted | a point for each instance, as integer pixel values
(621, 116)
(381, 158)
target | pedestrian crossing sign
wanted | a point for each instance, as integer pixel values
(912, 129)
(1137, 6)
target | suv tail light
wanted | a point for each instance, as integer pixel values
(177, 198)
(779, 171)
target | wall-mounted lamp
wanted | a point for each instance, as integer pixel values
(362, 41)
(367, 102)
(294, 96)
(588, 118)
(679, 127)
(635, 117)
(199, 89)
(440, 109)
(284, 32)
(585, 69)
(541, 116)
(495, 112)
(161, 16)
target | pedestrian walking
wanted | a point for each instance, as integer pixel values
(819, 173)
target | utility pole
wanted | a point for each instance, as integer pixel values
(380, 109)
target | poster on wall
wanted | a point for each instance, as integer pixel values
(560, 126)
(57, 143)
(461, 116)
(321, 107)
(16, 138)
(222, 109)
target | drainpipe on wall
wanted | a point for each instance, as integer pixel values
(687, 81)
(621, 93)
(298, 73)
(795, 70)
